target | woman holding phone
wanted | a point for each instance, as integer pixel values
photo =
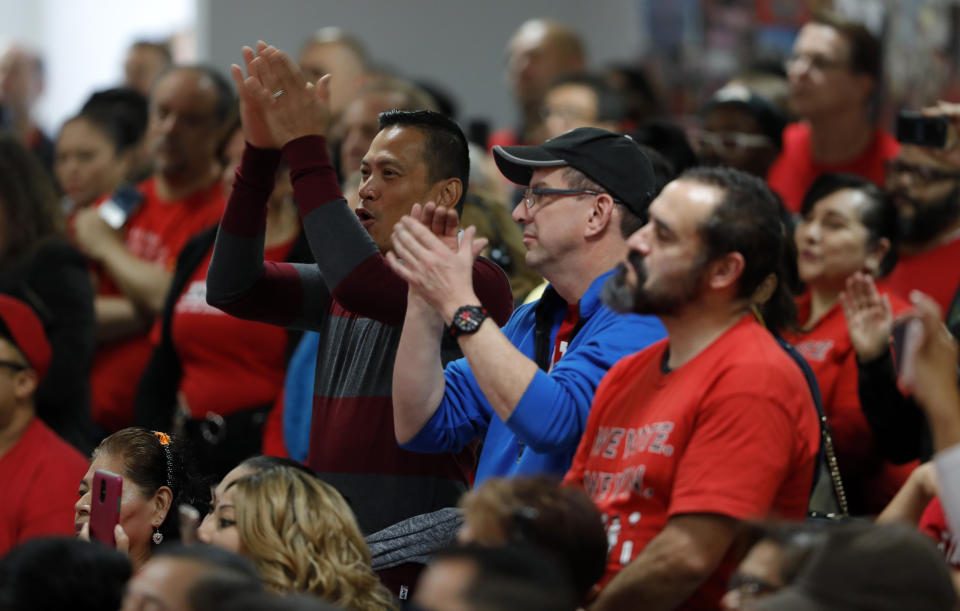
(97, 150)
(156, 479)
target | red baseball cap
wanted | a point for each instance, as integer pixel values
(27, 333)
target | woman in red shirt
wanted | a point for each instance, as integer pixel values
(213, 377)
(847, 225)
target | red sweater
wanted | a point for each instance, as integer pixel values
(357, 304)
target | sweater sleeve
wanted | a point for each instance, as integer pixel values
(897, 423)
(57, 285)
(239, 281)
(356, 273)
(552, 413)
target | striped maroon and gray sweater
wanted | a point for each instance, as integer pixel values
(357, 304)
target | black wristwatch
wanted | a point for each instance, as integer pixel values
(467, 319)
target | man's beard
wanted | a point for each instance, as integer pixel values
(929, 218)
(620, 297)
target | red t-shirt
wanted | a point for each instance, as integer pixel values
(156, 232)
(870, 480)
(228, 364)
(40, 475)
(935, 272)
(795, 169)
(732, 432)
(933, 523)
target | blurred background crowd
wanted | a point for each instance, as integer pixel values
(245, 484)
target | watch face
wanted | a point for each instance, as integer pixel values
(468, 319)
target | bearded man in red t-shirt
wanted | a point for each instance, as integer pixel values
(924, 183)
(715, 424)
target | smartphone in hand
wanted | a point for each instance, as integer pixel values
(105, 506)
(911, 343)
(120, 206)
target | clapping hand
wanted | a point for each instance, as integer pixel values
(277, 104)
(426, 254)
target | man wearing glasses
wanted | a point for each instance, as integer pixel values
(526, 389)
(924, 183)
(835, 73)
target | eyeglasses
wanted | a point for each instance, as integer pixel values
(730, 140)
(919, 173)
(534, 197)
(814, 62)
(14, 366)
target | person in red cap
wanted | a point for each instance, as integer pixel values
(39, 470)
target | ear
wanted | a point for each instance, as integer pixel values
(162, 501)
(875, 257)
(449, 194)
(25, 383)
(601, 215)
(726, 271)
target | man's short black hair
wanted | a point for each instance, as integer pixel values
(879, 217)
(445, 149)
(121, 113)
(747, 221)
(515, 576)
(62, 573)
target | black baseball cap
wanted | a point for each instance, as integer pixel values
(768, 117)
(613, 161)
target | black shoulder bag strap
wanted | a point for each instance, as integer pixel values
(828, 502)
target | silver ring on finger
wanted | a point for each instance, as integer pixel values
(278, 93)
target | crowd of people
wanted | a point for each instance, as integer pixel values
(286, 337)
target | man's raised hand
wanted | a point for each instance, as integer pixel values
(293, 107)
(277, 104)
(443, 222)
(255, 128)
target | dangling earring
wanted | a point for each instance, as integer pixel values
(157, 536)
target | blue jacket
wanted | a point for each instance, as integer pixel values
(544, 430)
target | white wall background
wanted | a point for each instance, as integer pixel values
(456, 43)
(83, 42)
